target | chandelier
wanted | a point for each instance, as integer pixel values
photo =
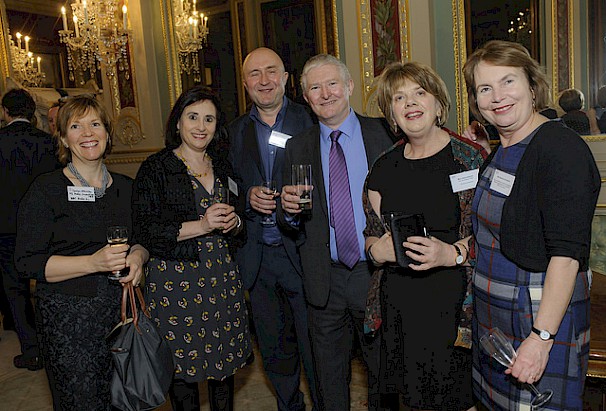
(99, 36)
(24, 70)
(191, 31)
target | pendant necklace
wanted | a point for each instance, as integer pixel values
(99, 191)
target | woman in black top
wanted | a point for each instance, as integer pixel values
(61, 242)
(194, 289)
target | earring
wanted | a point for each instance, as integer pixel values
(395, 126)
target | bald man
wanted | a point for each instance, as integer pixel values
(269, 261)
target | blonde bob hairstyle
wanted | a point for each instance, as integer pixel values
(396, 74)
(75, 108)
(507, 54)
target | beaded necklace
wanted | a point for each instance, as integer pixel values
(189, 170)
(99, 191)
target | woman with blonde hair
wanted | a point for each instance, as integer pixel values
(62, 243)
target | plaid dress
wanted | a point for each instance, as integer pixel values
(508, 297)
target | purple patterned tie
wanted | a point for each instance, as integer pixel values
(341, 209)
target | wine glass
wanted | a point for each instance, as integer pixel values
(220, 195)
(268, 187)
(301, 179)
(498, 347)
(116, 235)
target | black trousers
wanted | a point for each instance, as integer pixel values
(333, 329)
(279, 312)
(19, 298)
(185, 396)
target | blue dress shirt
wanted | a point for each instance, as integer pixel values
(357, 168)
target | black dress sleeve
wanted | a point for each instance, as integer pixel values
(156, 233)
(34, 232)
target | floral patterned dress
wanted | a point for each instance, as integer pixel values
(199, 306)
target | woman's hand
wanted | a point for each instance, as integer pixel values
(429, 252)
(109, 258)
(478, 134)
(219, 216)
(382, 249)
(135, 260)
(531, 361)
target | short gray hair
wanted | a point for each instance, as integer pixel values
(321, 60)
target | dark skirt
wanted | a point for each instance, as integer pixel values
(76, 356)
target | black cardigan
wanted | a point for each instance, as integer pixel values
(163, 199)
(552, 201)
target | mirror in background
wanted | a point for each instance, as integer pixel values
(596, 62)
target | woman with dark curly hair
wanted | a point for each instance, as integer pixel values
(194, 289)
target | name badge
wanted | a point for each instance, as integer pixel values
(278, 139)
(80, 193)
(233, 187)
(465, 180)
(502, 182)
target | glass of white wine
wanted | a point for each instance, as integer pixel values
(301, 179)
(117, 235)
(269, 187)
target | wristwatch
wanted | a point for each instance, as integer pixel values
(459, 259)
(543, 334)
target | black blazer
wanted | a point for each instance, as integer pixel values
(246, 162)
(313, 235)
(25, 152)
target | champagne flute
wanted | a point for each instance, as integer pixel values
(268, 187)
(116, 235)
(498, 347)
(220, 196)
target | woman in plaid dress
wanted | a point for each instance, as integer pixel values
(532, 215)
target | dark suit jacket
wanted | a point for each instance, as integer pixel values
(313, 235)
(248, 169)
(25, 152)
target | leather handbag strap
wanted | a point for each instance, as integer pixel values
(144, 308)
(128, 296)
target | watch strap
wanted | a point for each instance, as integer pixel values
(459, 258)
(539, 332)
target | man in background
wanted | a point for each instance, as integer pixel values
(25, 152)
(269, 262)
(53, 111)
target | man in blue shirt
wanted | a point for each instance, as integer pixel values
(269, 262)
(340, 150)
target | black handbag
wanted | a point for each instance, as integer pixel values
(143, 362)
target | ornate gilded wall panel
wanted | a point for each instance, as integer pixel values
(384, 34)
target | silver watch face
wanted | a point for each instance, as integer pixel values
(544, 335)
(459, 259)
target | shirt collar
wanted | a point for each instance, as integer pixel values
(254, 112)
(347, 127)
(19, 120)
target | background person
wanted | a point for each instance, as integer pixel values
(25, 152)
(268, 260)
(532, 216)
(62, 243)
(194, 289)
(572, 102)
(414, 177)
(335, 278)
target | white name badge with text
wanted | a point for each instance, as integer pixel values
(502, 182)
(233, 187)
(465, 180)
(278, 139)
(80, 193)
